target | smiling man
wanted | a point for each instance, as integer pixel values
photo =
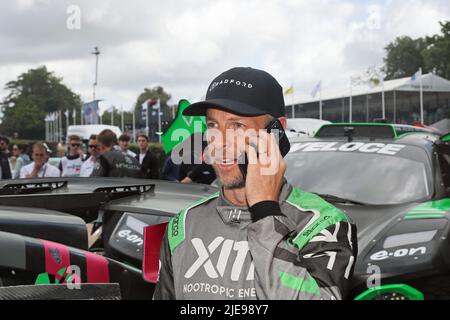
(259, 237)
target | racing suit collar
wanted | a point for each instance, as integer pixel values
(232, 214)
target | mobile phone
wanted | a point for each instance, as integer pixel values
(276, 127)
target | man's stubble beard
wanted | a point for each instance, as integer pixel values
(238, 182)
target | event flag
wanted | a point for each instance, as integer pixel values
(182, 127)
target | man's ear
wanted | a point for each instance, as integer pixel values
(283, 122)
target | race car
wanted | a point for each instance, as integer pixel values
(393, 182)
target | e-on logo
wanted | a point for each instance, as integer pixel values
(400, 253)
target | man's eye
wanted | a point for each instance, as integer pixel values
(211, 125)
(238, 125)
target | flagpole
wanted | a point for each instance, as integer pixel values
(159, 120)
(134, 124)
(293, 106)
(60, 126)
(351, 101)
(51, 129)
(56, 127)
(112, 116)
(121, 114)
(67, 122)
(147, 129)
(320, 101)
(421, 98)
(382, 97)
(46, 129)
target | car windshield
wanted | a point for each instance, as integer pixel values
(367, 178)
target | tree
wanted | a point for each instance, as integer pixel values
(404, 57)
(31, 97)
(437, 54)
(153, 93)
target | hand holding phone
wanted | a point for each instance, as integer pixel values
(284, 145)
(265, 171)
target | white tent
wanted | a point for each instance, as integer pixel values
(430, 83)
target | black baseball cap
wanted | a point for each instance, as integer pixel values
(242, 91)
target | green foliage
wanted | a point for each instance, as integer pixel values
(404, 56)
(31, 97)
(437, 55)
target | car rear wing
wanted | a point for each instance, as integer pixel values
(356, 130)
(32, 188)
(79, 197)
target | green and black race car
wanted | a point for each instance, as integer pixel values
(393, 181)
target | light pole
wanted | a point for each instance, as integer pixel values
(96, 53)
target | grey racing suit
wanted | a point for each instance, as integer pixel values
(301, 247)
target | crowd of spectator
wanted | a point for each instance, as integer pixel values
(105, 155)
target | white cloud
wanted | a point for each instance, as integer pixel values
(182, 47)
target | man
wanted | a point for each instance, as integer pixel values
(39, 168)
(70, 165)
(170, 170)
(88, 166)
(5, 167)
(111, 162)
(201, 173)
(148, 161)
(22, 159)
(193, 168)
(124, 141)
(259, 237)
(4, 145)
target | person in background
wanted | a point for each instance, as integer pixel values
(5, 167)
(148, 161)
(202, 173)
(39, 168)
(195, 170)
(70, 165)
(111, 162)
(170, 171)
(4, 145)
(22, 159)
(88, 165)
(124, 141)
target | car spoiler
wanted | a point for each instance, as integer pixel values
(79, 197)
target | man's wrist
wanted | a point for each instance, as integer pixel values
(264, 209)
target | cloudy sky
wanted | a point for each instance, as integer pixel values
(183, 45)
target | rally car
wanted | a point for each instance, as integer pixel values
(393, 182)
